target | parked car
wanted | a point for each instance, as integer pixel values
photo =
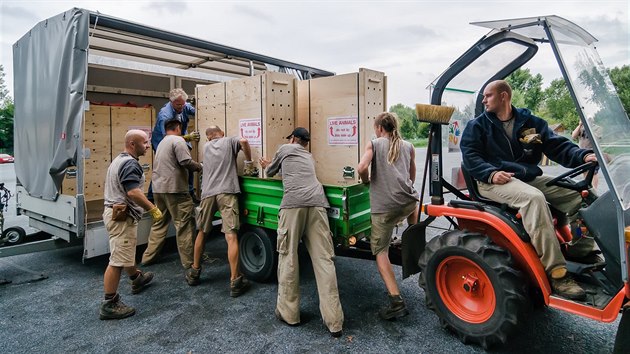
(6, 158)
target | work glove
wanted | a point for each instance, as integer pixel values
(194, 136)
(156, 214)
(249, 169)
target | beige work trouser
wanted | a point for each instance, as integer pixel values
(530, 198)
(179, 207)
(311, 225)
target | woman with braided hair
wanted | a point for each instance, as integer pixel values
(392, 171)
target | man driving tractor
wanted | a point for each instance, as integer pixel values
(501, 149)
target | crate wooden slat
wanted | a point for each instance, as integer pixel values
(96, 138)
(125, 119)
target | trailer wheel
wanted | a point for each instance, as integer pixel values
(13, 236)
(257, 254)
(473, 287)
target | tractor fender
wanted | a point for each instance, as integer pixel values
(501, 233)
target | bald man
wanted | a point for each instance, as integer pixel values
(501, 149)
(125, 203)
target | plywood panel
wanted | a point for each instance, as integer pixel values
(125, 119)
(244, 101)
(333, 97)
(372, 102)
(303, 105)
(210, 111)
(97, 150)
(279, 111)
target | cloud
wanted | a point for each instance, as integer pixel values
(173, 7)
(17, 14)
(254, 13)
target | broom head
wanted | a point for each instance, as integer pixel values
(434, 114)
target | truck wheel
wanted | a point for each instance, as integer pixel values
(473, 287)
(14, 236)
(257, 254)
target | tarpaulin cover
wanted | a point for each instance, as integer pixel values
(50, 67)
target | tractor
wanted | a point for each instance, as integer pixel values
(482, 274)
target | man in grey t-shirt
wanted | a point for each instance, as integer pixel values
(303, 216)
(171, 167)
(219, 191)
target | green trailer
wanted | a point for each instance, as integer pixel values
(349, 217)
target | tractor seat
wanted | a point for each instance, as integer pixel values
(473, 192)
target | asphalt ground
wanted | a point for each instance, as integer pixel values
(51, 306)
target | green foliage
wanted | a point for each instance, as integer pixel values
(527, 87)
(6, 116)
(410, 127)
(559, 106)
(620, 78)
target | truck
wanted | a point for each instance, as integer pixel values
(76, 70)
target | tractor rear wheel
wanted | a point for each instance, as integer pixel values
(473, 287)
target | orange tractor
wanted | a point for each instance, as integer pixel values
(481, 275)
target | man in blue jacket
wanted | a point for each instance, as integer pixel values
(501, 149)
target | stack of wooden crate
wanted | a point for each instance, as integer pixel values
(259, 108)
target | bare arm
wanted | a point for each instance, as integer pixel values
(364, 164)
(576, 131)
(138, 197)
(246, 149)
(412, 165)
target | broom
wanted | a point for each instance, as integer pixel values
(434, 114)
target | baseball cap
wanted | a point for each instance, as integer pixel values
(301, 133)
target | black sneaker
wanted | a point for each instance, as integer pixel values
(238, 286)
(114, 309)
(395, 309)
(192, 276)
(141, 282)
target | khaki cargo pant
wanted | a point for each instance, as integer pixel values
(530, 198)
(311, 225)
(179, 207)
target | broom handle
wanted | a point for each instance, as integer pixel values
(424, 178)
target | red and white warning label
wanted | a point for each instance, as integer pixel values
(251, 129)
(343, 131)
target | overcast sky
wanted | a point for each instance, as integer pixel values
(411, 41)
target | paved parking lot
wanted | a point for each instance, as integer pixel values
(52, 306)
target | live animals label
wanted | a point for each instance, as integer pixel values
(343, 131)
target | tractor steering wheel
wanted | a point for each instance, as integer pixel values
(565, 180)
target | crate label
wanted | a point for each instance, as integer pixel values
(334, 213)
(343, 131)
(251, 129)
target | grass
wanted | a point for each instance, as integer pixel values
(422, 142)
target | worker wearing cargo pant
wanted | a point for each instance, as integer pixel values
(175, 108)
(303, 217)
(392, 198)
(219, 191)
(125, 203)
(171, 167)
(501, 149)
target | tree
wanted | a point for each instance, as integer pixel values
(6, 116)
(407, 120)
(527, 86)
(620, 78)
(558, 105)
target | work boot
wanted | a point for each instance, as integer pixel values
(567, 288)
(238, 286)
(114, 309)
(192, 276)
(142, 280)
(395, 309)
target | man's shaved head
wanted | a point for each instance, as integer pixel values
(136, 142)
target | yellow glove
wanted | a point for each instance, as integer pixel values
(156, 214)
(194, 136)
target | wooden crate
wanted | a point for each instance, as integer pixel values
(339, 112)
(260, 108)
(125, 119)
(98, 152)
